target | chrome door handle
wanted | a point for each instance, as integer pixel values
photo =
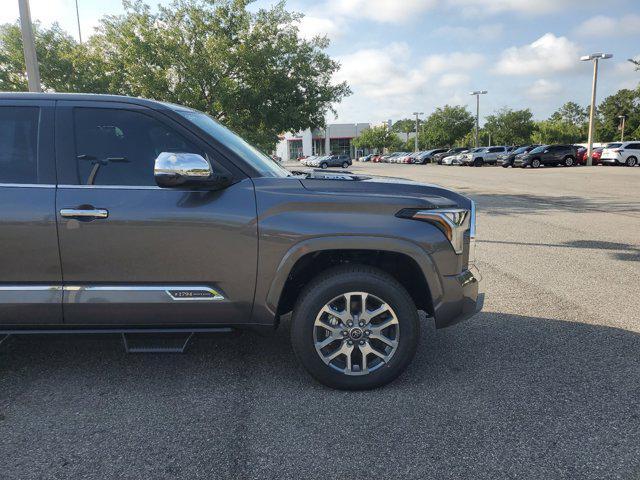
(84, 213)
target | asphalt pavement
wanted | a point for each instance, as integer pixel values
(544, 383)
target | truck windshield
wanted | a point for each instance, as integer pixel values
(258, 160)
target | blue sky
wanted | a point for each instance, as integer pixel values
(400, 56)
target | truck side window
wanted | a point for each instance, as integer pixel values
(19, 144)
(119, 147)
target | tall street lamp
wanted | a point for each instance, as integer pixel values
(622, 117)
(477, 93)
(586, 58)
(417, 114)
(29, 47)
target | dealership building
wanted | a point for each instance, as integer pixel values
(336, 138)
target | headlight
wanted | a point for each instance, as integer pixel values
(453, 222)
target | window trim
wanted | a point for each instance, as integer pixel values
(65, 141)
(45, 155)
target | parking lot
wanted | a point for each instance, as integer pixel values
(544, 383)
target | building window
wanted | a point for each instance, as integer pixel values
(295, 149)
(318, 146)
(340, 146)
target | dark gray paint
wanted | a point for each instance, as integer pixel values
(242, 241)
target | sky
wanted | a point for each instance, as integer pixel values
(402, 56)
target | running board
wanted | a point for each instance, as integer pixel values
(176, 340)
(156, 344)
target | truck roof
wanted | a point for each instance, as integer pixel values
(85, 96)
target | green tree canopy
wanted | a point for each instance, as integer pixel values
(446, 126)
(510, 127)
(550, 131)
(571, 113)
(252, 71)
(375, 138)
(623, 102)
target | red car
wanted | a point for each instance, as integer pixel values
(581, 157)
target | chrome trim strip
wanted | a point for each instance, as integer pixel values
(172, 291)
(28, 185)
(472, 229)
(79, 213)
(29, 288)
(168, 289)
(111, 187)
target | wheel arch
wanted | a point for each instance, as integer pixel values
(404, 260)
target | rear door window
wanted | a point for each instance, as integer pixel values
(19, 144)
(633, 146)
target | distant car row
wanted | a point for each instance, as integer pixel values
(327, 161)
(617, 153)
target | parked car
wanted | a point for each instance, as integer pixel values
(327, 161)
(479, 157)
(507, 159)
(163, 219)
(626, 153)
(438, 157)
(366, 158)
(455, 159)
(427, 156)
(548, 155)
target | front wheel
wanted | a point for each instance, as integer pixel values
(568, 162)
(345, 164)
(478, 162)
(535, 163)
(324, 165)
(355, 328)
(631, 162)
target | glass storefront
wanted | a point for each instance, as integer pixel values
(295, 149)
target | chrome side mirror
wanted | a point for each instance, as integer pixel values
(181, 169)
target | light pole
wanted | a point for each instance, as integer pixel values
(585, 58)
(78, 18)
(622, 127)
(417, 114)
(477, 93)
(29, 47)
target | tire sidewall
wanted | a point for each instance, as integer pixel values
(323, 165)
(328, 287)
(631, 162)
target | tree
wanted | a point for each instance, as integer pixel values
(550, 131)
(636, 63)
(623, 102)
(375, 138)
(65, 65)
(405, 126)
(250, 70)
(510, 127)
(571, 113)
(446, 126)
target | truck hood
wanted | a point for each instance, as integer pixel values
(420, 195)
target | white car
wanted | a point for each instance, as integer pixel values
(626, 154)
(454, 159)
(480, 156)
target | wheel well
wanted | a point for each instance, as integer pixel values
(400, 266)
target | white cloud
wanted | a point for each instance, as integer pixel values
(528, 7)
(482, 32)
(543, 88)
(384, 11)
(603, 26)
(548, 54)
(626, 74)
(311, 26)
(453, 80)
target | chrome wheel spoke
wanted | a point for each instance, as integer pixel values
(347, 340)
(384, 339)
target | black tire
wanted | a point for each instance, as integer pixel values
(569, 161)
(631, 162)
(324, 165)
(478, 162)
(345, 164)
(535, 163)
(353, 278)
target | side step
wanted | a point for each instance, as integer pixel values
(134, 340)
(159, 343)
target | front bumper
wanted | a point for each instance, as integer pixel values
(461, 300)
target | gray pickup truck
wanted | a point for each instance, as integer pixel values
(122, 214)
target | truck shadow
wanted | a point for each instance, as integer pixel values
(500, 396)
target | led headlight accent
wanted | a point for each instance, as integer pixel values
(453, 222)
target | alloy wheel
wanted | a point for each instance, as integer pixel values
(356, 333)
